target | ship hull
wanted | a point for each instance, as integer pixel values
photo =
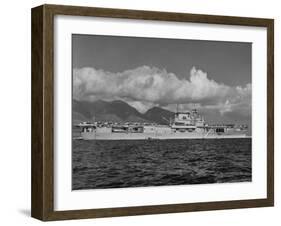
(155, 136)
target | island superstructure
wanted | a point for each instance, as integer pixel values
(184, 125)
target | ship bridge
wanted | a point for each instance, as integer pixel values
(189, 120)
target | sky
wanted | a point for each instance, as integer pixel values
(213, 76)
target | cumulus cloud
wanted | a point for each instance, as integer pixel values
(145, 86)
(141, 106)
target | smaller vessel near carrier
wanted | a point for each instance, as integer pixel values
(184, 125)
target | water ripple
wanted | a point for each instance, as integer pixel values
(118, 164)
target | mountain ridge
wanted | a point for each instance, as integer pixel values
(116, 111)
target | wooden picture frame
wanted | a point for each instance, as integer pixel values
(42, 203)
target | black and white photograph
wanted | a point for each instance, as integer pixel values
(160, 112)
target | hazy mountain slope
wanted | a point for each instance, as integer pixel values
(159, 115)
(78, 117)
(115, 111)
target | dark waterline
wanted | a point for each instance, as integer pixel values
(139, 163)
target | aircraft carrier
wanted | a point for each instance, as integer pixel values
(184, 125)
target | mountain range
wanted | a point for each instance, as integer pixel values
(116, 111)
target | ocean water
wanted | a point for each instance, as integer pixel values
(138, 163)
